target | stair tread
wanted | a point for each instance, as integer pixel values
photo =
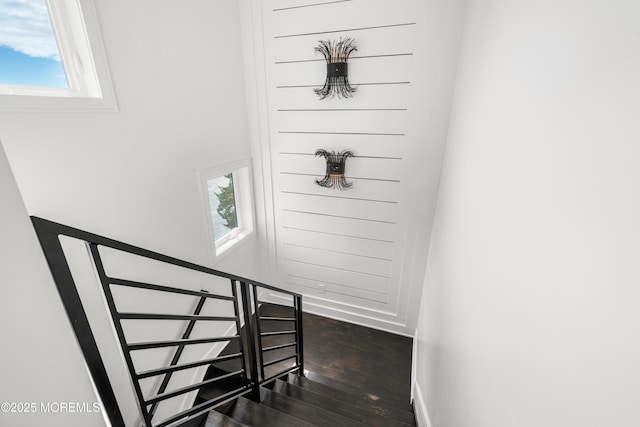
(378, 398)
(219, 388)
(257, 415)
(305, 411)
(217, 419)
(337, 406)
(356, 397)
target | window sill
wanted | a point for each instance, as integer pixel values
(236, 241)
(53, 104)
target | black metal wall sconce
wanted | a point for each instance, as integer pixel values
(334, 176)
(336, 53)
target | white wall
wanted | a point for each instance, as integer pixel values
(177, 71)
(41, 361)
(530, 312)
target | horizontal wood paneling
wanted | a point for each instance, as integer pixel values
(386, 69)
(357, 167)
(379, 122)
(375, 42)
(361, 189)
(351, 245)
(347, 240)
(384, 96)
(278, 5)
(340, 260)
(338, 276)
(340, 17)
(332, 288)
(338, 206)
(349, 227)
(361, 145)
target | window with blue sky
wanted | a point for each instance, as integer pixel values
(29, 54)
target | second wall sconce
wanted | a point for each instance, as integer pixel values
(334, 176)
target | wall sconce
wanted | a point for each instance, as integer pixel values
(336, 53)
(334, 176)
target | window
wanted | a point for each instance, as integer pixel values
(51, 57)
(228, 205)
(29, 54)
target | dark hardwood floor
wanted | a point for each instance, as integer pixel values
(355, 377)
(364, 358)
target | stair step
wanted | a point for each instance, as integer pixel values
(354, 396)
(254, 414)
(219, 388)
(198, 421)
(305, 411)
(377, 397)
(336, 406)
(217, 419)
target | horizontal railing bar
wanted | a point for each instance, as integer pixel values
(281, 373)
(273, 288)
(277, 305)
(60, 229)
(273, 362)
(278, 347)
(280, 319)
(161, 288)
(183, 390)
(203, 407)
(153, 316)
(160, 371)
(172, 343)
(270, 334)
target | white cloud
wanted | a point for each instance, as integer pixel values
(25, 26)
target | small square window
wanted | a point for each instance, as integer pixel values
(222, 201)
(228, 202)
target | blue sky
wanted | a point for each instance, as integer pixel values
(17, 68)
(29, 53)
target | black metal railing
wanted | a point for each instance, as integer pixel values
(256, 365)
(284, 315)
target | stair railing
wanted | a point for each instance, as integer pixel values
(178, 353)
(254, 357)
(292, 317)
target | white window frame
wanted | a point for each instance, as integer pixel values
(77, 32)
(243, 194)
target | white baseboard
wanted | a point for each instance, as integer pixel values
(420, 408)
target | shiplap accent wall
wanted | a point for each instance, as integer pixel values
(344, 250)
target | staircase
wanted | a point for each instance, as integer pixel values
(300, 401)
(255, 380)
(314, 399)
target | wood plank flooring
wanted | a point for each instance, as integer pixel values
(368, 359)
(355, 377)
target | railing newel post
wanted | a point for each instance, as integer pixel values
(299, 334)
(256, 303)
(251, 346)
(236, 310)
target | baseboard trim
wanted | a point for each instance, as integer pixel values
(420, 408)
